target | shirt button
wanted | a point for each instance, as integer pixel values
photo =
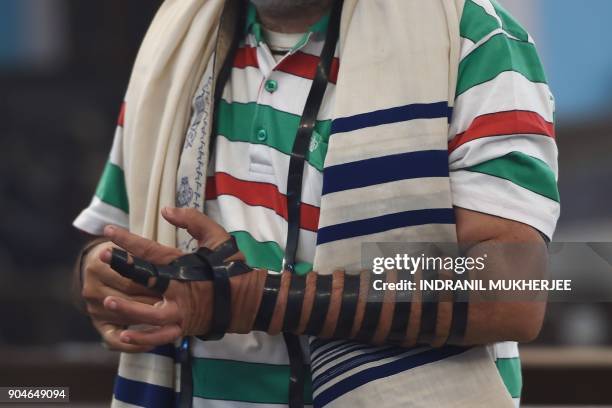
(271, 85)
(262, 135)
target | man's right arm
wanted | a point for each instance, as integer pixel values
(93, 279)
(77, 273)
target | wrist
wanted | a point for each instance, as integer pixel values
(247, 291)
(78, 278)
(83, 258)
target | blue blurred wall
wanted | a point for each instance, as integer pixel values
(11, 44)
(33, 34)
(575, 42)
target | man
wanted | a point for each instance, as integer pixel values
(375, 169)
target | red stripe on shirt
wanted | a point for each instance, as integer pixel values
(259, 194)
(121, 119)
(246, 57)
(305, 66)
(502, 124)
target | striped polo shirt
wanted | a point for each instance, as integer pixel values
(502, 160)
(257, 118)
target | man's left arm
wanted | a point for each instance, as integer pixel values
(188, 307)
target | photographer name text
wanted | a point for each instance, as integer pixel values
(535, 285)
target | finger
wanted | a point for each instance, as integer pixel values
(109, 277)
(106, 291)
(97, 271)
(106, 256)
(96, 310)
(152, 336)
(161, 314)
(111, 336)
(197, 224)
(146, 249)
(151, 281)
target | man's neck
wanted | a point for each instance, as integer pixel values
(291, 21)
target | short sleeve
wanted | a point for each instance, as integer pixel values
(109, 204)
(502, 149)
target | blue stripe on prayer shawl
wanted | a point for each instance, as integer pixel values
(371, 374)
(386, 169)
(355, 347)
(336, 349)
(385, 223)
(321, 378)
(392, 115)
(143, 394)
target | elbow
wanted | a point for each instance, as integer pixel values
(528, 332)
(522, 322)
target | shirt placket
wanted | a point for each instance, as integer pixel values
(262, 128)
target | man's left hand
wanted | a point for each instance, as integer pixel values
(186, 308)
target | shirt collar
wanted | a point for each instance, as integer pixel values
(253, 26)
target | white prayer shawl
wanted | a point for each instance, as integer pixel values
(394, 97)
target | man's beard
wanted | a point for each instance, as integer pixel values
(289, 8)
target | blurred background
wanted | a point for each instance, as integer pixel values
(64, 65)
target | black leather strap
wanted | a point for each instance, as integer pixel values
(297, 370)
(320, 306)
(222, 297)
(197, 266)
(429, 310)
(120, 262)
(350, 295)
(236, 268)
(202, 265)
(222, 304)
(295, 300)
(185, 399)
(460, 314)
(401, 311)
(304, 134)
(187, 273)
(222, 252)
(161, 285)
(294, 188)
(268, 302)
(371, 315)
(187, 268)
(201, 269)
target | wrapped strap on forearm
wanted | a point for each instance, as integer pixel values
(340, 305)
(346, 306)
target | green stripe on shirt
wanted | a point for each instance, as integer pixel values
(499, 54)
(265, 255)
(267, 383)
(509, 24)
(111, 188)
(510, 372)
(523, 170)
(476, 23)
(236, 124)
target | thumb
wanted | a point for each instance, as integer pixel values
(198, 225)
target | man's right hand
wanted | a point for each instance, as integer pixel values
(100, 281)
